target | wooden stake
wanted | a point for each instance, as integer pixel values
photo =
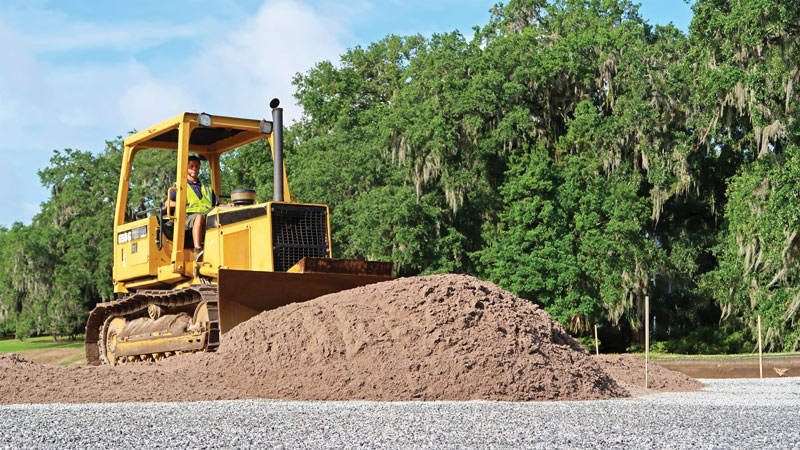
(596, 346)
(760, 362)
(646, 338)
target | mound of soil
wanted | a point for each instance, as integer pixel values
(442, 337)
(22, 381)
(628, 370)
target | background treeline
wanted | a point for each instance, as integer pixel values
(568, 151)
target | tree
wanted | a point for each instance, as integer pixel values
(746, 55)
(569, 151)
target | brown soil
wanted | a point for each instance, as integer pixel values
(443, 337)
(628, 370)
(64, 356)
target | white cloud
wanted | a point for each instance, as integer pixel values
(53, 31)
(21, 75)
(256, 61)
(21, 197)
(148, 101)
(29, 210)
(132, 36)
(47, 102)
(237, 73)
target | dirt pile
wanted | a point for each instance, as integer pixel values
(628, 370)
(443, 337)
(22, 381)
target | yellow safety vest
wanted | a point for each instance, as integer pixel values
(195, 204)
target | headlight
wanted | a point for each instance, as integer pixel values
(204, 120)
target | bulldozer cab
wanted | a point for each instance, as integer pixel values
(257, 256)
(149, 252)
(144, 256)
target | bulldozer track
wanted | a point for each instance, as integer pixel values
(138, 302)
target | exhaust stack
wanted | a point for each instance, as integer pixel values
(277, 139)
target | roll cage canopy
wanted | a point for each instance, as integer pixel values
(218, 136)
(206, 135)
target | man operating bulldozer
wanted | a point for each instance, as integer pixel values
(200, 199)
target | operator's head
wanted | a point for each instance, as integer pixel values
(194, 167)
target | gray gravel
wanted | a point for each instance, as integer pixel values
(744, 413)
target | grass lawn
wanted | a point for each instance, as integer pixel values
(37, 343)
(71, 361)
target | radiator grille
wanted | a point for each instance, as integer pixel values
(298, 231)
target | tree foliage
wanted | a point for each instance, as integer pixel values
(568, 150)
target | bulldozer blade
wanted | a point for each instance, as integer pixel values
(244, 294)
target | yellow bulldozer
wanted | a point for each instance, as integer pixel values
(257, 256)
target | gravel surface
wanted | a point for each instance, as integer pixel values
(740, 413)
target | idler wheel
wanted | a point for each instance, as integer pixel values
(110, 337)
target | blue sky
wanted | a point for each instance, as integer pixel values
(76, 73)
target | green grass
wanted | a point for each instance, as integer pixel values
(71, 361)
(44, 342)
